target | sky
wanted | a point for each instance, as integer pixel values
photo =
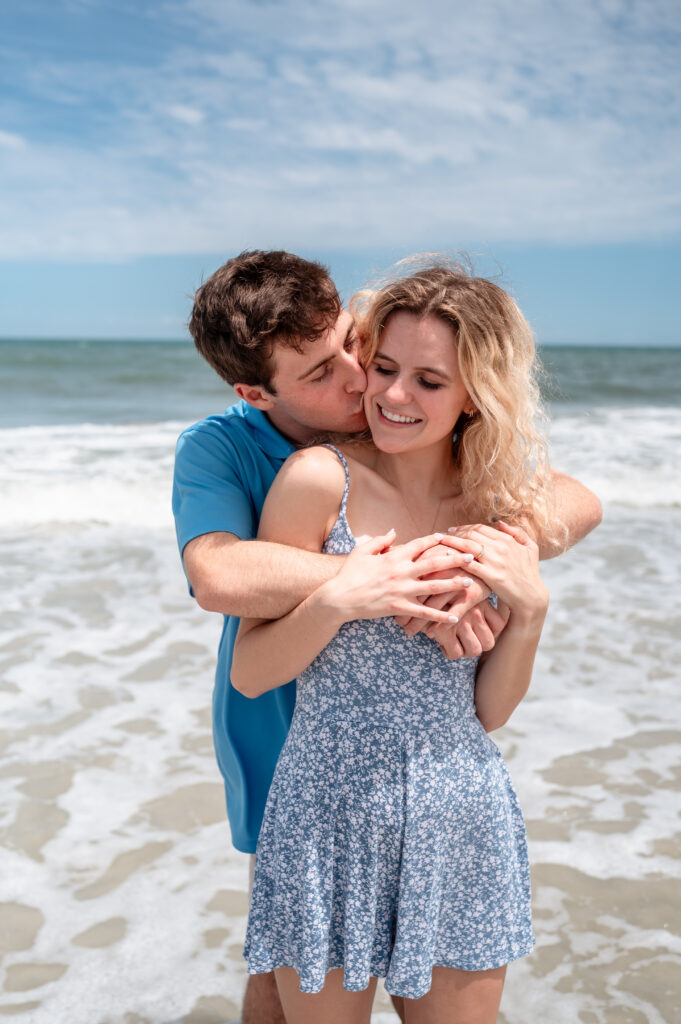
(143, 144)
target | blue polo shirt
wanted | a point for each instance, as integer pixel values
(224, 467)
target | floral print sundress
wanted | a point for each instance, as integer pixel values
(392, 840)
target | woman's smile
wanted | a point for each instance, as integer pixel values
(396, 417)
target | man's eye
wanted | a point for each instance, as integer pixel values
(323, 375)
(350, 342)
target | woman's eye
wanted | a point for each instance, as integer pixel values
(431, 385)
(382, 369)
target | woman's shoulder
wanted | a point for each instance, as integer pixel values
(317, 467)
(304, 499)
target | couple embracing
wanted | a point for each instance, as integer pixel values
(369, 519)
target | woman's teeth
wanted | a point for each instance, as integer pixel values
(396, 418)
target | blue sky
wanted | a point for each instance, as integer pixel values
(143, 144)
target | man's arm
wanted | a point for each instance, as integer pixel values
(214, 508)
(268, 577)
(253, 578)
(577, 507)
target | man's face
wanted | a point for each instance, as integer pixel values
(320, 388)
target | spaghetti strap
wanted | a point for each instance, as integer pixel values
(343, 462)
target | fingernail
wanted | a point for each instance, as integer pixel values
(453, 618)
(468, 558)
(438, 536)
(466, 581)
(451, 529)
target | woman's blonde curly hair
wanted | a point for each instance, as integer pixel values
(500, 451)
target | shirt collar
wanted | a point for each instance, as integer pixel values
(270, 440)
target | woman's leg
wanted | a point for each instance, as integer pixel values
(458, 997)
(333, 1005)
(398, 1004)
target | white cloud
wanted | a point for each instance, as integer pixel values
(187, 115)
(12, 141)
(334, 124)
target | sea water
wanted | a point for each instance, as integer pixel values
(121, 897)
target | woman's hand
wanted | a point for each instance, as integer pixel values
(379, 579)
(507, 561)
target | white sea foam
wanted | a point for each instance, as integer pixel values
(76, 474)
(122, 474)
(629, 456)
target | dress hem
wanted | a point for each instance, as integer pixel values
(488, 965)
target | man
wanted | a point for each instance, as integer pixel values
(271, 324)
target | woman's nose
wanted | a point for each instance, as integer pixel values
(397, 391)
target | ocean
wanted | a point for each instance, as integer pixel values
(122, 900)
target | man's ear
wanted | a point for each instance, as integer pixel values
(256, 395)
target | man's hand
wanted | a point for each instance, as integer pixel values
(474, 634)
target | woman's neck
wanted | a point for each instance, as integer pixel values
(429, 472)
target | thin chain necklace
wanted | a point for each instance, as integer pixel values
(416, 525)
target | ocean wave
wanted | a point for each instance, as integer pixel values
(121, 474)
(628, 456)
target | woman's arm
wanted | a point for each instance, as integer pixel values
(509, 565)
(300, 509)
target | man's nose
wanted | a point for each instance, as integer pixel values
(357, 378)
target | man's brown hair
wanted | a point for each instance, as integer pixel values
(255, 300)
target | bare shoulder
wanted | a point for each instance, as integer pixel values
(304, 499)
(317, 469)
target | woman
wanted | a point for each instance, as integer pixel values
(393, 844)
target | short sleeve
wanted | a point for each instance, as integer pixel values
(209, 493)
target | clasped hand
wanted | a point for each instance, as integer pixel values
(509, 566)
(380, 579)
(440, 584)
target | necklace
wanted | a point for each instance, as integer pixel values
(416, 525)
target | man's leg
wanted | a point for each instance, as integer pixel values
(261, 1004)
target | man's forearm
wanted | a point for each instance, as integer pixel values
(253, 578)
(575, 506)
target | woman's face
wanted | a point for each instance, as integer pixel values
(414, 394)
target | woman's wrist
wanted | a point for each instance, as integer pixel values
(324, 607)
(529, 618)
